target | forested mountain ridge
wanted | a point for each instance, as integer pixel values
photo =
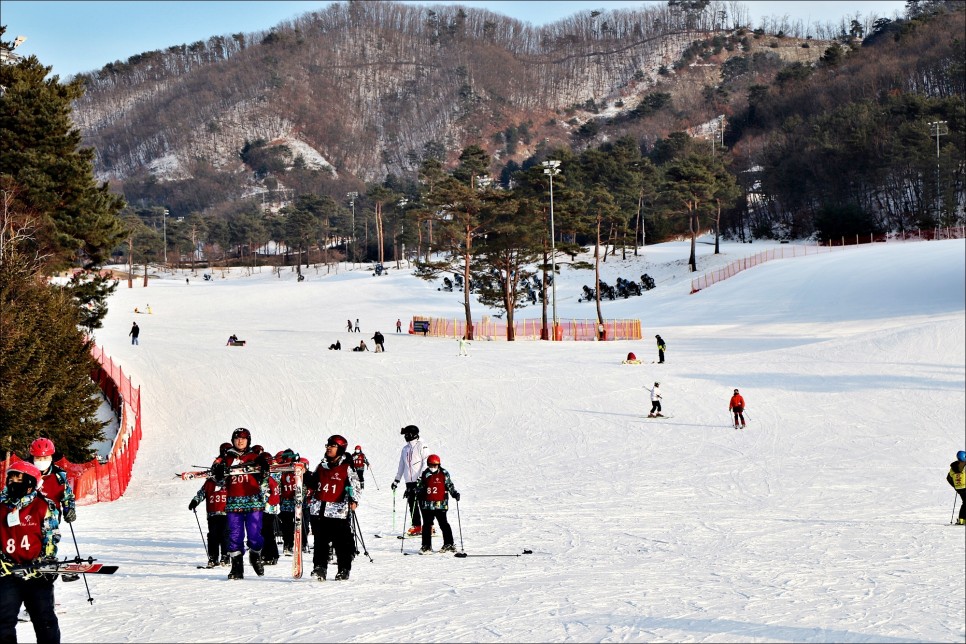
(375, 87)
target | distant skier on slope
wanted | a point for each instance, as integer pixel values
(433, 490)
(661, 348)
(655, 401)
(359, 462)
(737, 407)
(957, 479)
(412, 461)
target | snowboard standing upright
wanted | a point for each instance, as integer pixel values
(299, 471)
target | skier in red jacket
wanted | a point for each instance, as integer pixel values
(737, 407)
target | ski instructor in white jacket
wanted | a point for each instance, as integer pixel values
(412, 462)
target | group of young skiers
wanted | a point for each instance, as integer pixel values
(249, 492)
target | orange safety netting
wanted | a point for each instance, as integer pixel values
(533, 329)
(784, 252)
(95, 480)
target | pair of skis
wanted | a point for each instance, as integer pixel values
(75, 566)
(298, 469)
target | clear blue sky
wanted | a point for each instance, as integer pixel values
(84, 36)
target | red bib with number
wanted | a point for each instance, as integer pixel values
(359, 460)
(436, 487)
(23, 542)
(332, 483)
(215, 497)
(288, 485)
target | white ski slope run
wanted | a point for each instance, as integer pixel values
(827, 520)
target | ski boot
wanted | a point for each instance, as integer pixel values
(319, 572)
(342, 575)
(650, 416)
(426, 550)
(448, 547)
(211, 563)
(237, 567)
(225, 560)
(287, 551)
(255, 557)
(415, 531)
(69, 577)
(271, 562)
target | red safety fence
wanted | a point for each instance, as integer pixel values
(783, 252)
(532, 329)
(97, 480)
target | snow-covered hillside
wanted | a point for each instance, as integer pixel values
(826, 520)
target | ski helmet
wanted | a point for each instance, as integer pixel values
(657, 384)
(241, 432)
(358, 448)
(223, 449)
(42, 447)
(432, 460)
(32, 476)
(736, 391)
(410, 432)
(340, 443)
(961, 456)
(258, 449)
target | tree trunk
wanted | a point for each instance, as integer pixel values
(600, 316)
(693, 225)
(130, 262)
(466, 284)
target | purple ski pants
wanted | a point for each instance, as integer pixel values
(240, 523)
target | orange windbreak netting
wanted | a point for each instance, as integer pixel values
(491, 329)
(95, 480)
(784, 252)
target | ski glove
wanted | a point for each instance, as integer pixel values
(70, 514)
(193, 504)
(218, 470)
(456, 495)
(394, 485)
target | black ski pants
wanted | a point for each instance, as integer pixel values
(655, 406)
(415, 520)
(429, 517)
(335, 531)
(217, 536)
(962, 503)
(269, 545)
(287, 520)
(362, 477)
(37, 596)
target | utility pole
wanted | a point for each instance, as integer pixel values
(164, 226)
(938, 129)
(351, 196)
(552, 168)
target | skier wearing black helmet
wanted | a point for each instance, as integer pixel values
(244, 501)
(412, 462)
(957, 478)
(334, 493)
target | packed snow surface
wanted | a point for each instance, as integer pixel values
(826, 520)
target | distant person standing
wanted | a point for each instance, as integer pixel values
(359, 462)
(357, 330)
(464, 343)
(737, 407)
(379, 341)
(134, 332)
(398, 325)
(655, 401)
(187, 281)
(957, 479)
(348, 326)
(661, 348)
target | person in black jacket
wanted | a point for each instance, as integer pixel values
(661, 348)
(379, 339)
(957, 479)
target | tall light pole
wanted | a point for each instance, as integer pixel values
(551, 168)
(164, 229)
(938, 129)
(351, 196)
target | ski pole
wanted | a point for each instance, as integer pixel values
(90, 599)
(462, 553)
(952, 517)
(201, 533)
(402, 539)
(358, 529)
(372, 475)
(394, 509)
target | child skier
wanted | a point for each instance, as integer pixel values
(433, 489)
(957, 479)
(215, 497)
(359, 462)
(655, 401)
